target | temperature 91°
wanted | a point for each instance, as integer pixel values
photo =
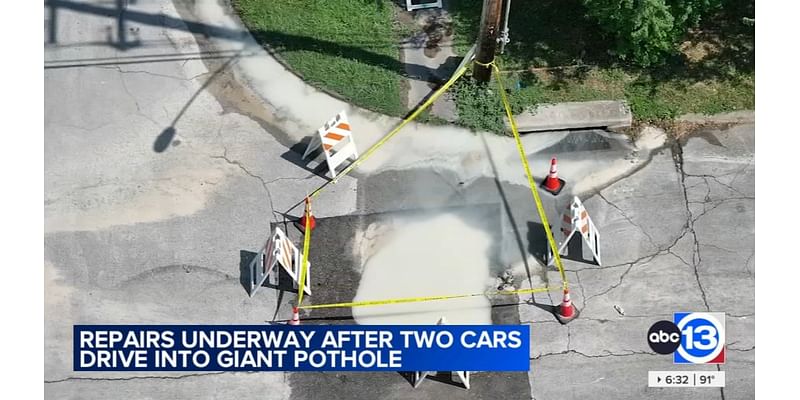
(703, 379)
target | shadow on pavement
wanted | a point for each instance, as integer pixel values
(537, 241)
(295, 156)
(245, 258)
(164, 139)
(276, 40)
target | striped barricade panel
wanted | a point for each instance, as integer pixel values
(336, 139)
(288, 256)
(576, 219)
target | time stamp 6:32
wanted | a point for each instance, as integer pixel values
(686, 379)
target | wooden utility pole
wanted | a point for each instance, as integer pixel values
(487, 39)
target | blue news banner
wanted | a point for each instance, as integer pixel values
(301, 348)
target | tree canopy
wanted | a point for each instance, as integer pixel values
(646, 31)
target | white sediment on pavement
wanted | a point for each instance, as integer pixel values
(592, 178)
(440, 255)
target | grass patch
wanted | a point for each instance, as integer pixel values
(349, 47)
(479, 107)
(557, 55)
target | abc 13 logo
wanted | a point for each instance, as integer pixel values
(692, 338)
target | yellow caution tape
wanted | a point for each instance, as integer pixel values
(536, 199)
(539, 207)
(306, 242)
(397, 129)
(361, 159)
(427, 298)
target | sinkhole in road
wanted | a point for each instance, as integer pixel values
(425, 255)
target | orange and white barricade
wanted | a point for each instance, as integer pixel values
(576, 220)
(412, 5)
(420, 376)
(337, 142)
(282, 251)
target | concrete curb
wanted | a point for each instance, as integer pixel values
(575, 115)
(734, 117)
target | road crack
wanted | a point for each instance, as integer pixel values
(135, 100)
(131, 378)
(238, 164)
(580, 286)
(697, 258)
(155, 74)
(624, 215)
(747, 263)
(607, 354)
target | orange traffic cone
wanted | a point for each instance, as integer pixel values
(295, 317)
(566, 311)
(307, 220)
(552, 183)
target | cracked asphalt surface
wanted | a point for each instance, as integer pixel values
(162, 171)
(677, 235)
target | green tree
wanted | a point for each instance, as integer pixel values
(646, 31)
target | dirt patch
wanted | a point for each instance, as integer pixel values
(701, 45)
(677, 130)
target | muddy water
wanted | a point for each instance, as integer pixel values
(440, 255)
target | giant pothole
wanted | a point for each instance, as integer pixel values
(435, 251)
(403, 254)
(422, 256)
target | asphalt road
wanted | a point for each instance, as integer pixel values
(164, 169)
